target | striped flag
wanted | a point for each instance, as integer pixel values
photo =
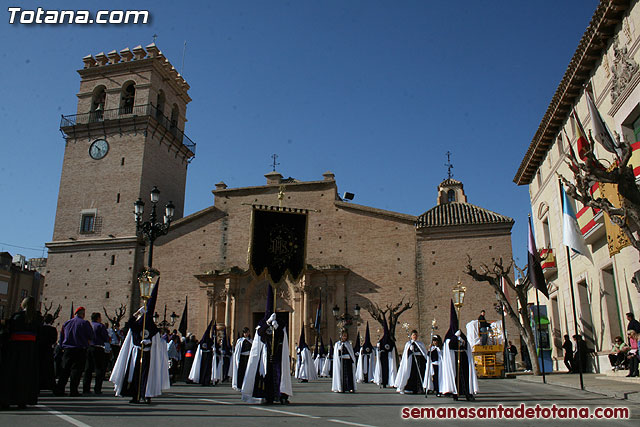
(318, 317)
(583, 142)
(534, 270)
(571, 234)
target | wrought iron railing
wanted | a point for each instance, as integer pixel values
(128, 112)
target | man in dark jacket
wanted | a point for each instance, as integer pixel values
(96, 356)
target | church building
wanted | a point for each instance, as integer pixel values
(128, 136)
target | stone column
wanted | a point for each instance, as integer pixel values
(227, 302)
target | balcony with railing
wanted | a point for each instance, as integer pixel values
(68, 123)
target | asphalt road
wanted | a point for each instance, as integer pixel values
(312, 404)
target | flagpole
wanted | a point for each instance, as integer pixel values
(573, 296)
(544, 379)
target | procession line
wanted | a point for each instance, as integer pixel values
(63, 416)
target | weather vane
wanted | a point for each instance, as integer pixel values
(275, 163)
(155, 36)
(449, 165)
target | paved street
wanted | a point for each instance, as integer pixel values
(313, 404)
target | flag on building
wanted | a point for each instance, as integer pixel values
(278, 242)
(601, 132)
(534, 270)
(318, 317)
(183, 321)
(583, 142)
(571, 234)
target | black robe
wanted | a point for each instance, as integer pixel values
(19, 371)
(131, 388)
(46, 342)
(460, 357)
(268, 387)
(244, 359)
(418, 367)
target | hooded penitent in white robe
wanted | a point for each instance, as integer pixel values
(336, 382)
(216, 366)
(319, 362)
(258, 361)
(377, 375)
(448, 369)
(305, 368)
(158, 377)
(404, 371)
(327, 367)
(366, 366)
(237, 378)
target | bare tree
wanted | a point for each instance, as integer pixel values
(119, 314)
(389, 314)
(47, 310)
(592, 170)
(492, 276)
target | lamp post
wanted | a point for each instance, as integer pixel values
(147, 281)
(151, 229)
(458, 301)
(434, 328)
(345, 319)
(165, 324)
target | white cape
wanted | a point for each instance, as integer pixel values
(431, 368)
(448, 374)
(336, 381)
(158, 378)
(194, 373)
(404, 371)
(377, 374)
(305, 368)
(258, 364)
(235, 363)
(326, 367)
(319, 363)
(366, 365)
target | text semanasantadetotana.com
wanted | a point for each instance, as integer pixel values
(515, 413)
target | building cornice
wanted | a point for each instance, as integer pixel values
(376, 211)
(607, 16)
(91, 244)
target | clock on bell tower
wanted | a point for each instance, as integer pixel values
(127, 137)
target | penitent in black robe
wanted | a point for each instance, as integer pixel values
(19, 370)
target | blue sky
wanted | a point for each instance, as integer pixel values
(375, 91)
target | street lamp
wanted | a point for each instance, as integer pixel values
(152, 229)
(147, 280)
(345, 319)
(458, 301)
(165, 324)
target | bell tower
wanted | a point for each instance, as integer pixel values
(126, 137)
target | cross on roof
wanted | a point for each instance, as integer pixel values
(449, 165)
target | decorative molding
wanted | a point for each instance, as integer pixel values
(624, 70)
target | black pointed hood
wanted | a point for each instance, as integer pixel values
(454, 324)
(302, 344)
(330, 348)
(367, 347)
(206, 337)
(226, 345)
(268, 310)
(356, 348)
(386, 343)
(322, 350)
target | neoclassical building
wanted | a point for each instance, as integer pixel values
(605, 66)
(128, 136)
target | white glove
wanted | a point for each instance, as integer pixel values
(458, 333)
(142, 310)
(146, 342)
(272, 321)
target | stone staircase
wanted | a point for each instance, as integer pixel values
(619, 376)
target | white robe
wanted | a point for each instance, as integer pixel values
(336, 381)
(430, 371)
(319, 362)
(235, 362)
(448, 370)
(366, 365)
(194, 373)
(377, 374)
(326, 367)
(158, 379)
(305, 368)
(216, 366)
(258, 364)
(404, 371)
